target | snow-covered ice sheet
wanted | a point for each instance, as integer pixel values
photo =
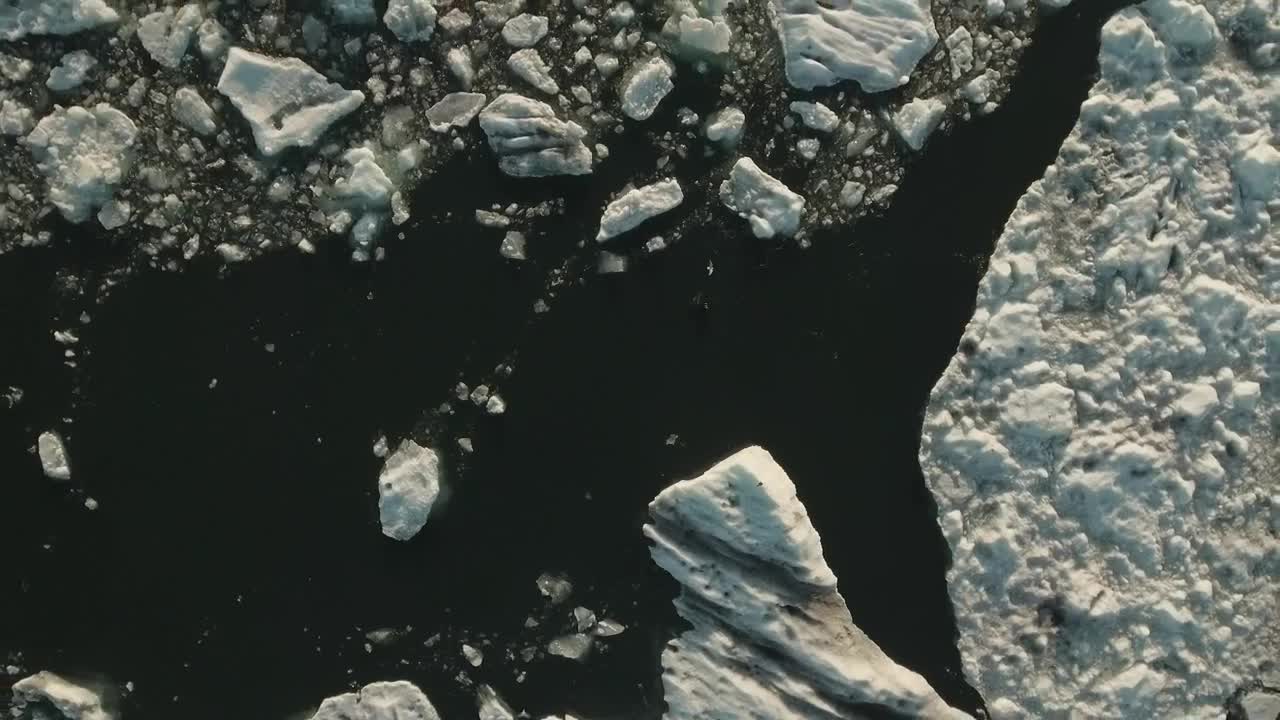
(637, 205)
(396, 700)
(771, 636)
(407, 488)
(285, 101)
(762, 200)
(72, 701)
(1103, 446)
(876, 43)
(84, 154)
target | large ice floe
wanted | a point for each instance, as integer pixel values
(771, 635)
(1103, 446)
(395, 700)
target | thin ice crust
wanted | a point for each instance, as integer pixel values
(771, 635)
(1102, 449)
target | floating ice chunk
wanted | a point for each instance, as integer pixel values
(584, 618)
(703, 35)
(513, 246)
(166, 35)
(816, 115)
(408, 486)
(366, 186)
(285, 101)
(645, 86)
(763, 201)
(212, 39)
(575, 646)
(491, 706)
(114, 214)
(725, 126)
(635, 206)
(353, 12)
(529, 66)
(398, 700)
(455, 21)
(608, 628)
(19, 18)
(876, 43)
(83, 153)
(411, 20)
(960, 51)
(1261, 705)
(851, 193)
(495, 405)
(455, 110)
(771, 636)
(459, 61)
(192, 111)
(71, 71)
(556, 588)
(472, 655)
(71, 701)
(524, 30)
(14, 68)
(15, 118)
(917, 120)
(531, 141)
(53, 456)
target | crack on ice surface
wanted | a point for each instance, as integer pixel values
(771, 636)
(1103, 448)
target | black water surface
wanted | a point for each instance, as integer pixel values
(236, 558)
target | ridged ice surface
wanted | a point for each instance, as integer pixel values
(1103, 447)
(771, 637)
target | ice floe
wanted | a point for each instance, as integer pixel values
(637, 205)
(83, 154)
(763, 201)
(531, 141)
(408, 487)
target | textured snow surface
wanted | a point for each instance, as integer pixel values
(397, 700)
(531, 141)
(285, 101)
(72, 701)
(53, 456)
(1103, 447)
(19, 18)
(771, 636)
(83, 154)
(635, 206)
(760, 199)
(407, 488)
(876, 43)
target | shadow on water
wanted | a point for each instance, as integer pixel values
(236, 559)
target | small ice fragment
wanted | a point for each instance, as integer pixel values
(609, 628)
(489, 218)
(411, 20)
(808, 148)
(212, 39)
(636, 206)
(90, 504)
(380, 448)
(851, 194)
(382, 636)
(917, 120)
(71, 71)
(15, 118)
(455, 110)
(725, 126)
(513, 246)
(815, 115)
(703, 35)
(960, 51)
(555, 587)
(645, 86)
(491, 706)
(611, 263)
(473, 655)
(53, 456)
(286, 102)
(585, 619)
(466, 445)
(455, 21)
(480, 394)
(495, 405)
(407, 486)
(47, 690)
(524, 30)
(574, 647)
(353, 12)
(166, 34)
(763, 201)
(192, 111)
(529, 66)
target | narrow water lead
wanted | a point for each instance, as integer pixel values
(235, 564)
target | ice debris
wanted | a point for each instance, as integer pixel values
(529, 66)
(530, 141)
(84, 154)
(407, 487)
(285, 101)
(53, 456)
(916, 120)
(71, 71)
(575, 646)
(19, 18)
(1102, 447)
(71, 701)
(455, 110)
(396, 700)
(637, 205)
(770, 207)
(725, 126)
(876, 43)
(524, 30)
(771, 636)
(555, 588)
(645, 86)
(192, 111)
(166, 34)
(815, 115)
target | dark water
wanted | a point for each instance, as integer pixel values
(236, 559)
